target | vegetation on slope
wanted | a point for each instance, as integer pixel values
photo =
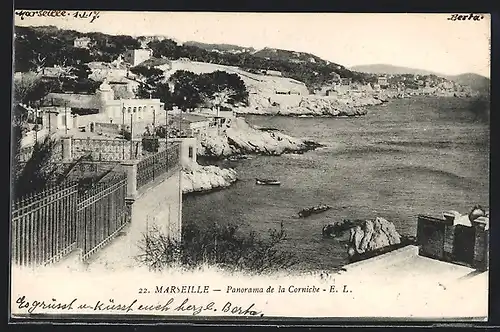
(192, 90)
(49, 46)
(224, 246)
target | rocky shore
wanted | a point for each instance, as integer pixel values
(242, 138)
(197, 178)
(364, 236)
(311, 105)
(345, 103)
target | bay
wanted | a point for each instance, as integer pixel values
(423, 155)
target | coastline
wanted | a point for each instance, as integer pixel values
(242, 138)
(344, 104)
(206, 178)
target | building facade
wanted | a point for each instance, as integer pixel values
(117, 108)
(137, 56)
(81, 42)
(273, 73)
(382, 81)
(104, 107)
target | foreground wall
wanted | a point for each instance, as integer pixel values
(161, 206)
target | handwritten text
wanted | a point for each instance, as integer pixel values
(469, 17)
(185, 306)
(90, 15)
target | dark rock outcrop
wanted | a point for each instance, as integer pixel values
(365, 235)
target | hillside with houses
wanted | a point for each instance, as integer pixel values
(120, 97)
(474, 81)
(124, 88)
(274, 81)
(111, 132)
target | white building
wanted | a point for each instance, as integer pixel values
(58, 118)
(105, 107)
(137, 56)
(273, 73)
(382, 81)
(82, 42)
(137, 108)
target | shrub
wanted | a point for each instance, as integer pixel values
(38, 171)
(160, 131)
(150, 144)
(126, 134)
(221, 246)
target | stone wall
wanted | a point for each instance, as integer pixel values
(106, 149)
(161, 206)
(444, 240)
(107, 128)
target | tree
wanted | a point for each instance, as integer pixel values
(38, 172)
(24, 85)
(31, 88)
(186, 93)
(221, 88)
(219, 98)
(39, 62)
(81, 71)
(163, 93)
(152, 78)
(77, 80)
(164, 48)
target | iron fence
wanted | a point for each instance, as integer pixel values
(48, 225)
(158, 164)
(101, 215)
(44, 225)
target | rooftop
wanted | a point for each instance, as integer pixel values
(71, 100)
(420, 286)
(191, 118)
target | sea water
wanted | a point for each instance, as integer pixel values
(422, 155)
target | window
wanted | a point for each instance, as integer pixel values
(190, 152)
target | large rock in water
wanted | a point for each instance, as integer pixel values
(242, 138)
(197, 178)
(374, 234)
(215, 146)
(365, 235)
(248, 139)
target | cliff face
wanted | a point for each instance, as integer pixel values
(241, 138)
(215, 146)
(199, 178)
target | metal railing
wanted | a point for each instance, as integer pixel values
(44, 225)
(101, 215)
(48, 225)
(158, 164)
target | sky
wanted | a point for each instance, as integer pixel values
(424, 41)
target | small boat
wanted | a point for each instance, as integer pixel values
(268, 182)
(313, 210)
(239, 157)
